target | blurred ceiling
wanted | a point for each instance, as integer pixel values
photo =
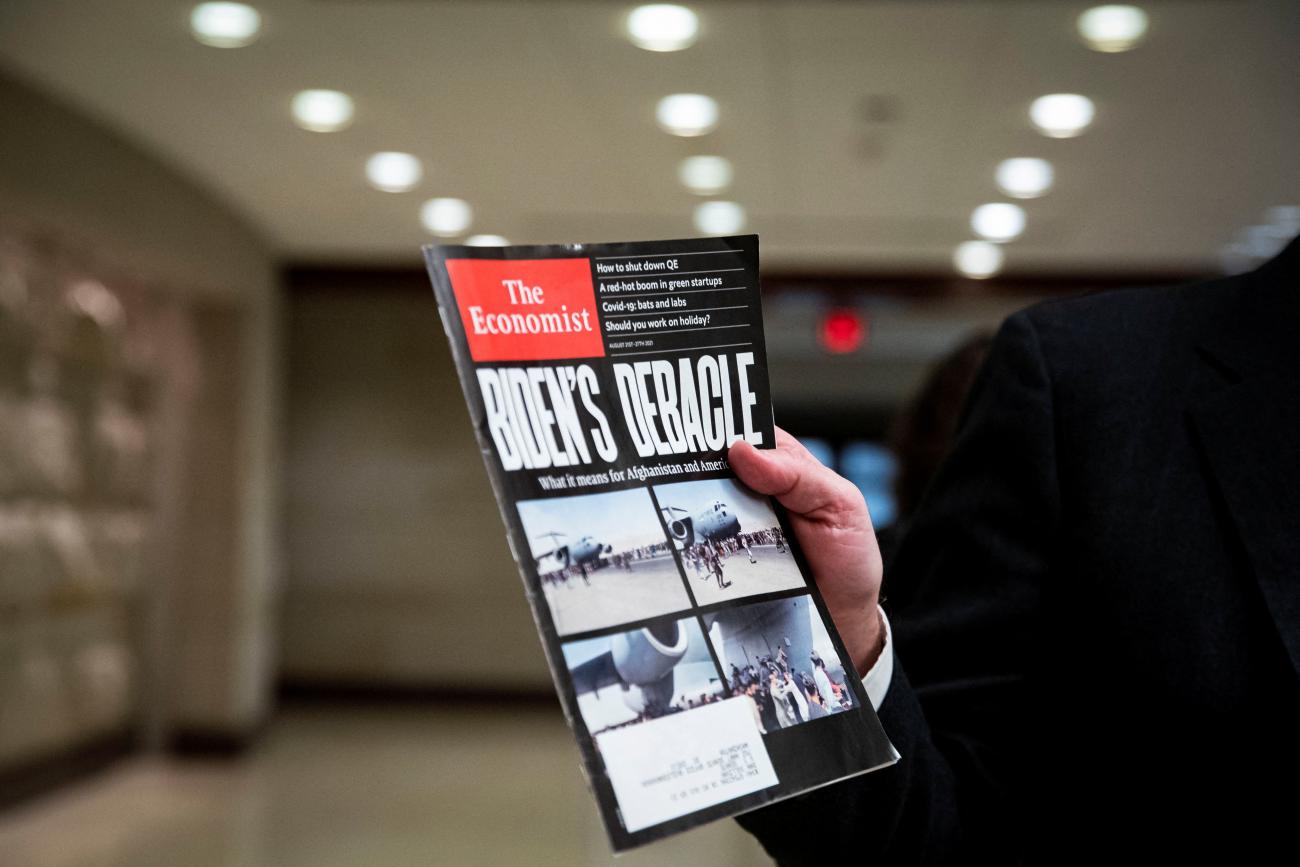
(862, 133)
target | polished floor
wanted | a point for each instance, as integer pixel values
(337, 788)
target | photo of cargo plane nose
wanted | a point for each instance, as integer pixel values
(584, 554)
(714, 524)
(713, 521)
(654, 670)
(710, 529)
(614, 541)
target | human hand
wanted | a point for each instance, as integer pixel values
(829, 515)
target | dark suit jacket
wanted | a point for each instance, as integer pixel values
(1099, 656)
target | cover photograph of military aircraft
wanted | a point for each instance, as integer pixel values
(729, 539)
(642, 674)
(601, 559)
(780, 654)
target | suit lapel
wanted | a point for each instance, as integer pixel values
(1250, 441)
(1249, 428)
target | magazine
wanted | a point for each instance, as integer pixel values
(694, 657)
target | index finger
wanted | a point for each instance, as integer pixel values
(786, 440)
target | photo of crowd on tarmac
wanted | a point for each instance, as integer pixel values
(729, 540)
(780, 656)
(601, 559)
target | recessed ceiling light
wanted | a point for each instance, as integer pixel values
(95, 301)
(978, 259)
(322, 110)
(719, 218)
(1285, 217)
(1062, 115)
(662, 27)
(1025, 177)
(705, 175)
(687, 114)
(487, 241)
(225, 25)
(1235, 258)
(1114, 27)
(393, 171)
(446, 217)
(998, 221)
(1265, 242)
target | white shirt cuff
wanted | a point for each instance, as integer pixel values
(876, 681)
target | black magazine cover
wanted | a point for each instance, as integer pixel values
(693, 655)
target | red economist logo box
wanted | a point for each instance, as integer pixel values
(526, 309)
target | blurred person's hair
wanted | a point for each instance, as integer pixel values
(922, 433)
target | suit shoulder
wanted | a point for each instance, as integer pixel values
(1141, 315)
(1127, 331)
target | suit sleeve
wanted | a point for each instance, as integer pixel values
(974, 563)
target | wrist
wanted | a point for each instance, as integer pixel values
(868, 639)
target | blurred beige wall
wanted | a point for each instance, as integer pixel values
(125, 218)
(400, 573)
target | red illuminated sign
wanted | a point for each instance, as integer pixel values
(842, 331)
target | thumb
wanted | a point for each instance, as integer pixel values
(802, 485)
(767, 471)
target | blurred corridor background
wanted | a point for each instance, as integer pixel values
(256, 607)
